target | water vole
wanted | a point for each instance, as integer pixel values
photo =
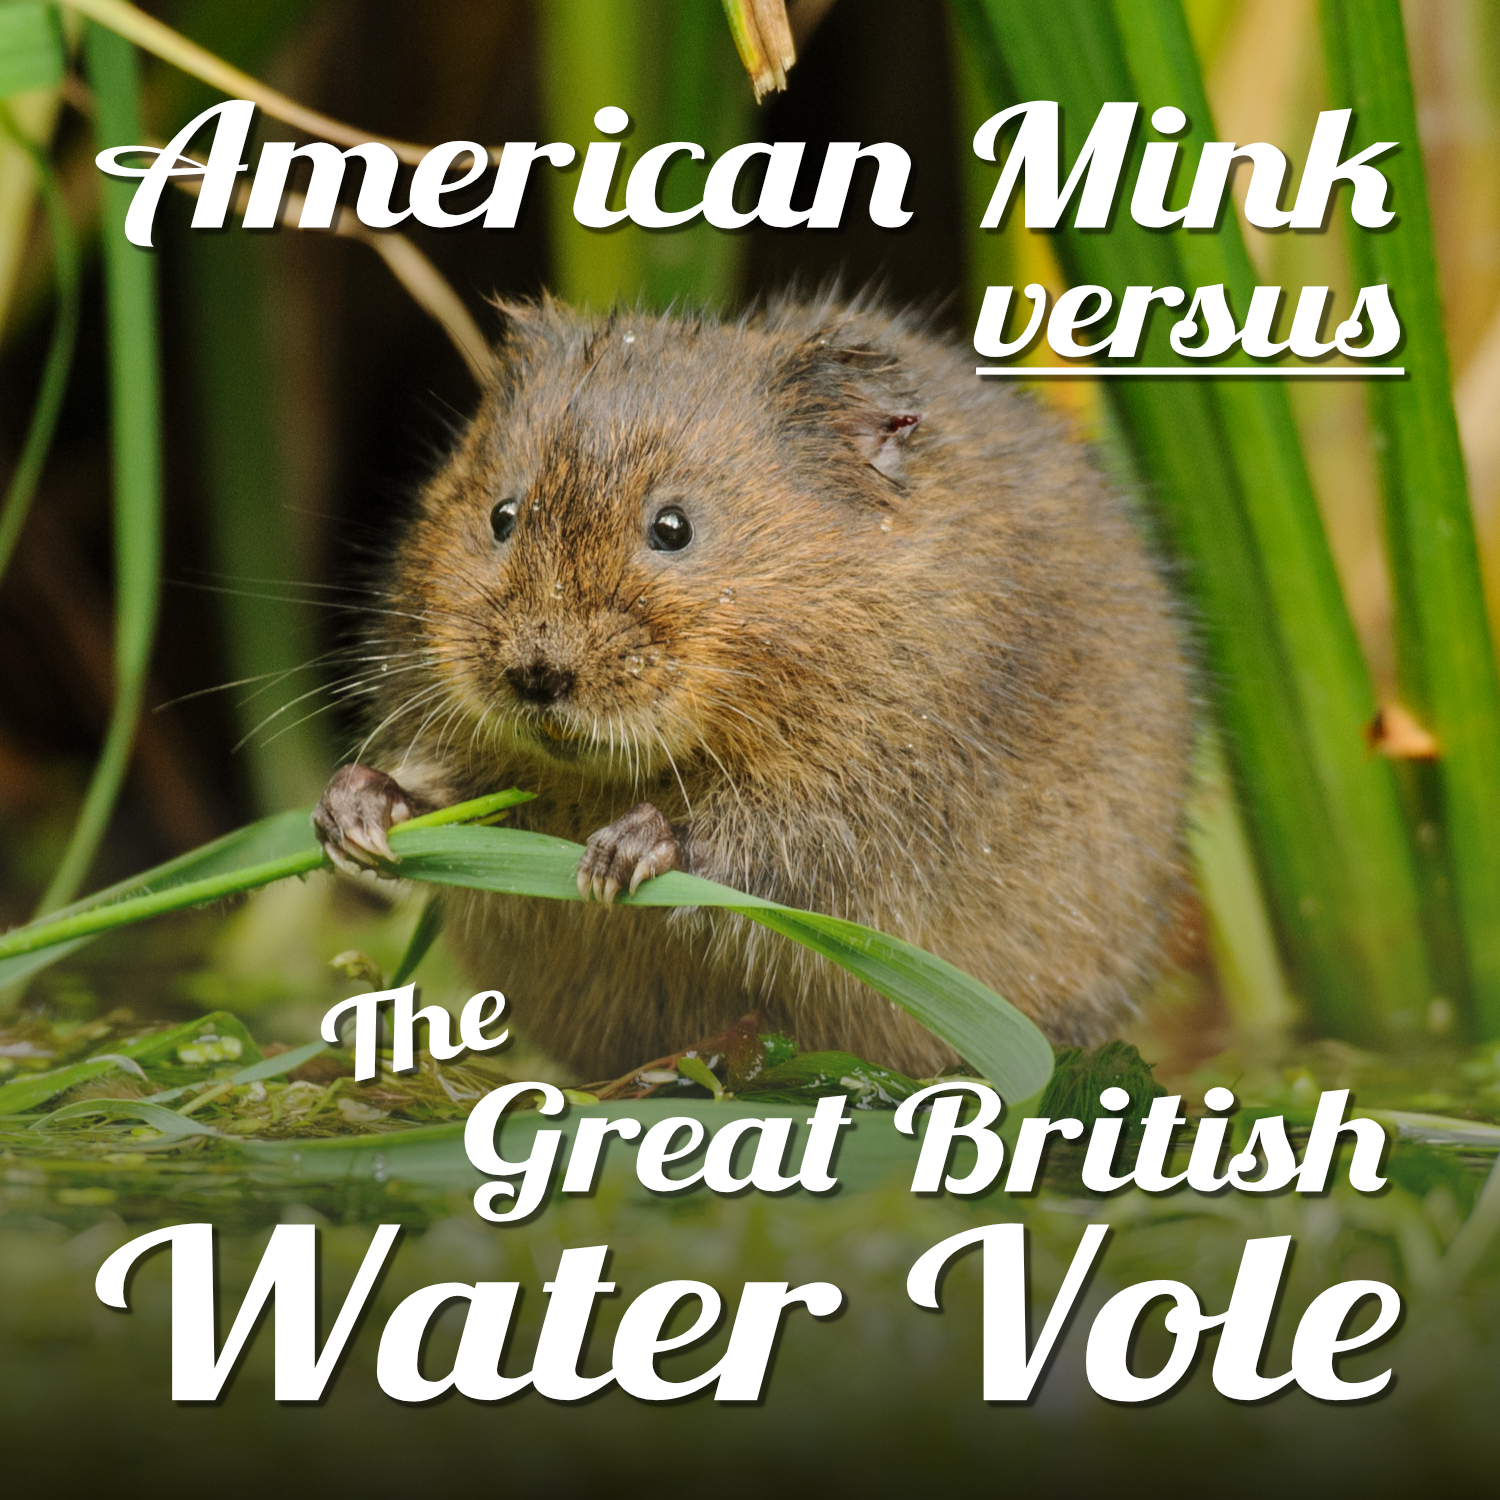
(799, 604)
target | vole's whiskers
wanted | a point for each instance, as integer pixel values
(267, 680)
(445, 708)
(339, 691)
(359, 608)
(454, 721)
(275, 714)
(415, 701)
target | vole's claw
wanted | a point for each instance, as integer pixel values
(638, 845)
(355, 812)
(657, 862)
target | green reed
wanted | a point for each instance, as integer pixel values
(1444, 653)
(1227, 479)
(135, 436)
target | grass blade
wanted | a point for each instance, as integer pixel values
(229, 314)
(276, 848)
(31, 49)
(1291, 690)
(33, 61)
(135, 408)
(19, 1096)
(1326, 667)
(1239, 929)
(1444, 651)
(129, 22)
(990, 1033)
(429, 927)
(763, 39)
(170, 1124)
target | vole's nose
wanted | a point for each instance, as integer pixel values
(540, 682)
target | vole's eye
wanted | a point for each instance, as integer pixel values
(503, 519)
(670, 530)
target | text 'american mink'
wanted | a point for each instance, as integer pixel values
(799, 604)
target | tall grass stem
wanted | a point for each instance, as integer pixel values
(1226, 475)
(1444, 650)
(135, 428)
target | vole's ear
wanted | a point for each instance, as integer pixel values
(881, 436)
(856, 389)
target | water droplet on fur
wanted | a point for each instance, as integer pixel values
(885, 525)
(986, 848)
(725, 595)
(557, 586)
(630, 335)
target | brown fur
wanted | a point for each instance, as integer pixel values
(923, 677)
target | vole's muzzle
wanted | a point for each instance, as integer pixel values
(541, 681)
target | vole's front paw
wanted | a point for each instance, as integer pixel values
(636, 846)
(356, 811)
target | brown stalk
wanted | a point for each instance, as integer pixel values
(763, 37)
(171, 46)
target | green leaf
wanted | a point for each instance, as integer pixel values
(670, 64)
(31, 49)
(227, 296)
(276, 848)
(285, 839)
(700, 1073)
(990, 1033)
(193, 1048)
(207, 1043)
(165, 1120)
(429, 925)
(19, 1095)
(267, 1067)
